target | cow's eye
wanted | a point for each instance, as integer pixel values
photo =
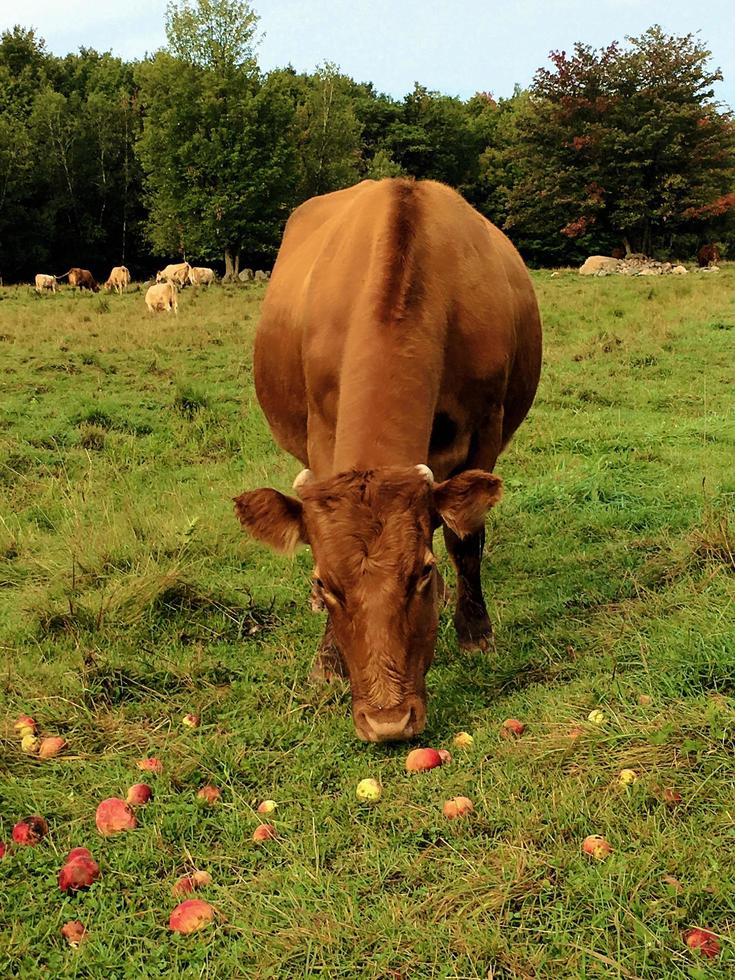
(426, 574)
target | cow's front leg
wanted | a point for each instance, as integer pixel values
(474, 630)
(328, 664)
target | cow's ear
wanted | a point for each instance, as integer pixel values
(463, 501)
(273, 518)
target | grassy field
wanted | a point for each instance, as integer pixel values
(129, 596)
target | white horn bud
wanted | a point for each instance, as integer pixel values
(425, 472)
(305, 476)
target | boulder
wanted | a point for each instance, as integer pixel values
(599, 265)
(679, 270)
(246, 275)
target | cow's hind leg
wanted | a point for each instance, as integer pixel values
(474, 630)
(328, 664)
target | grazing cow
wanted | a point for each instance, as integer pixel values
(81, 279)
(119, 279)
(45, 282)
(200, 276)
(708, 255)
(178, 274)
(162, 297)
(400, 329)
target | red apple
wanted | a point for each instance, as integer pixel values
(51, 746)
(190, 721)
(671, 796)
(139, 794)
(77, 874)
(704, 941)
(597, 847)
(3, 849)
(267, 806)
(512, 728)
(191, 915)
(24, 721)
(190, 883)
(74, 932)
(150, 765)
(78, 852)
(210, 794)
(459, 806)
(419, 760)
(30, 831)
(113, 816)
(264, 831)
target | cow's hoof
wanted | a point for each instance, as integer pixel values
(475, 633)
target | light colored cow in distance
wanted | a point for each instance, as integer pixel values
(201, 276)
(162, 298)
(119, 279)
(177, 273)
(45, 282)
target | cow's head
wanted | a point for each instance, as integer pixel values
(374, 569)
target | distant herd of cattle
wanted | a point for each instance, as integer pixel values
(160, 297)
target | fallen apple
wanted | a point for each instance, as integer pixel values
(78, 852)
(446, 757)
(22, 723)
(264, 831)
(139, 794)
(420, 760)
(3, 849)
(458, 806)
(29, 832)
(463, 740)
(51, 746)
(150, 765)
(74, 933)
(597, 847)
(512, 728)
(113, 816)
(191, 915)
(190, 721)
(671, 796)
(627, 777)
(645, 699)
(189, 883)
(704, 941)
(77, 874)
(368, 790)
(210, 794)
(30, 744)
(267, 806)
(596, 716)
(575, 732)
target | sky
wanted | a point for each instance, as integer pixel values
(453, 46)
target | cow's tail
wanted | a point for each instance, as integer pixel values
(63, 275)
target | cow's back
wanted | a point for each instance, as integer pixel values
(399, 270)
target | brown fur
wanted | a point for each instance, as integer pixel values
(446, 384)
(708, 255)
(82, 279)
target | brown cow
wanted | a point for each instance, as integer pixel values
(708, 255)
(81, 279)
(400, 328)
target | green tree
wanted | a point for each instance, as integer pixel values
(217, 144)
(620, 145)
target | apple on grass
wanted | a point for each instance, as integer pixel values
(150, 765)
(24, 725)
(597, 847)
(210, 794)
(74, 933)
(79, 873)
(190, 883)
(627, 777)
(368, 791)
(30, 744)
(113, 816)
(419, 760)
(139, 794)
(704, 941)
(191, 915)
(29, 832)
(458, 806)
(512, 728)
(190, 721)
(51, 746)
(264, 831)
(267, 806)
(463, 740)
(3, 848)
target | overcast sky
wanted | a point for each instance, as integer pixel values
(455, 46)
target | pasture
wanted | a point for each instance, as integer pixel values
(129, 597)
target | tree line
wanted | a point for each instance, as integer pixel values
(196, 153)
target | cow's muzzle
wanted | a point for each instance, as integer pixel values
(395, 724)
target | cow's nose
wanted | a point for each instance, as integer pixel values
(387, 725)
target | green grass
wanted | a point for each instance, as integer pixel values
(128, 597)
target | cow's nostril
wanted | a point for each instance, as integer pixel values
(384, 729)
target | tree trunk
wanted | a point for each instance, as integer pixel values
(232, 265)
